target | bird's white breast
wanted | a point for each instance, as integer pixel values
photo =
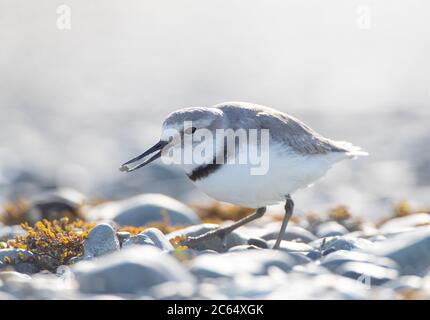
(287, 172)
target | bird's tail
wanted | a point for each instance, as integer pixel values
(351, 150)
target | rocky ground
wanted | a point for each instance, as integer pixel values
(60, 246)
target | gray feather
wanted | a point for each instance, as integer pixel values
(284, 129)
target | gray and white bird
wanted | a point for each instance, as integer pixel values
(297, 157)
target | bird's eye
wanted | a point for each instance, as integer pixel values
(190, 130)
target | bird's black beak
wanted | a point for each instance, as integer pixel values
(136, 163)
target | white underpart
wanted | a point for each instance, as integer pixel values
(288, 172)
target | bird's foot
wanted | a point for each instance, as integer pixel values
(276, 246)
(217, 233)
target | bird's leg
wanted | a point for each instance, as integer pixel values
(223, 231)
(289, 206)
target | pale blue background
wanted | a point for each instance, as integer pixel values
(75, 104)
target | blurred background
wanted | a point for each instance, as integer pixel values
(76, 103)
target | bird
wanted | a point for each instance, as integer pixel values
(296, 157)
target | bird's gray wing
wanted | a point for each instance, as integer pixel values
(283, 128)
(288, 130)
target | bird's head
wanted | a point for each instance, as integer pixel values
(187, 139)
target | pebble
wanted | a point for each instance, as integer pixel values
(130, 271)
(13, 276)
(189, 254)
(323, 286)
(10, 232)
(258, 242)
(409, 249)
(310, 269)
(146, 208)
(151, 236)
(173, 291)
(27, 268)
(243, 247)
(367, 273)
(406, 223)
(220, 245)
(331, 244)
(139, 239)
(123, 236)
(292, 233)
(405, 283)
(51, 204)
(14, 255)
(101, 240)
(300, 258)
(291, 246)
(231, 264)
(330, 229)
(334, 260)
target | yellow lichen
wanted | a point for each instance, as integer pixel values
(218, 212)
(18, 212)
(339, 213)
(51, 243)
(7, 260)
(403, 209)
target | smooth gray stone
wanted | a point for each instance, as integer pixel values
(298, 250)
(6, 296)
(330, 229)
(13, 276)
(10, 232)
(367, 273)
(411, 251)
(219, 245)
(159, 239)
(377, 238)
(150, 236)
(292, 233)
(101, 240)
(123, 236)
(310, 269)
(300, 257)
(319, 287)
(231, 264)
(334, 260)
(75, 260)
(147, 208)
(14, 255)
(131, 270)
(139, 239)
(189, 254)
(53, 202)
(243, 248)
(405, 283)
(314, 255)
(331, 244)
(405, 223)
(291, 246)
(27, 268)
(208, 251)
(173, 291)
(258, 242)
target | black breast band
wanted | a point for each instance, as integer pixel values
(206, 169)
